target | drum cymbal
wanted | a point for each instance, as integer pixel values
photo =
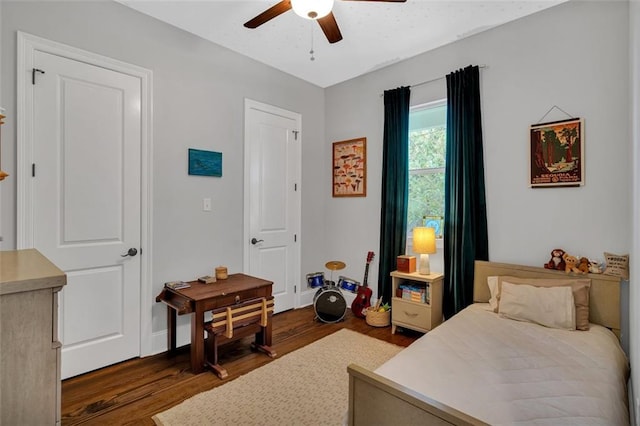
(335, 265)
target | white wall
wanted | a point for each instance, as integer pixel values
(199, 90)
(634, 315)
(575, 56)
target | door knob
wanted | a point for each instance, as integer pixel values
(254, 241)
(131, 252)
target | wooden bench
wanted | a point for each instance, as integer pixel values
(235, 322)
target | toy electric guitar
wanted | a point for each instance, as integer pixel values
(363, 298)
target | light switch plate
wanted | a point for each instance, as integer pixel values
(206, 204)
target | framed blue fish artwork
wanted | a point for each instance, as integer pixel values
(205, 163)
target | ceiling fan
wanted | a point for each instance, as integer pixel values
(317, 10)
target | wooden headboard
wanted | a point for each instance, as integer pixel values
(604, 296)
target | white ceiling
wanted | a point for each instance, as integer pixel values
(375, 34)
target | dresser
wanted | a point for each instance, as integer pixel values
(29, 346)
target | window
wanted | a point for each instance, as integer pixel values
(427, 136)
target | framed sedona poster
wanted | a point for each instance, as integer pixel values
(557, 153)
(350, 168)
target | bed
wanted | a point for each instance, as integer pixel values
(481, 368)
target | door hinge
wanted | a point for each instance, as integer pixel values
(295, 134)
(295, 186)
(33, 74)
(295, 288)
(33, 169)
(295, 238)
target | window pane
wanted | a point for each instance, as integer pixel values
(426, 198)
(427, 145)
(430, 115)
(426, 148)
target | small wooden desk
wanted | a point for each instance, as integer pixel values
(200, 298)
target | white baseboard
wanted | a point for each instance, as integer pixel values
(159, 339)
(306, 298)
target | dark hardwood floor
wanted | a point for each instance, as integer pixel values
(132, 391)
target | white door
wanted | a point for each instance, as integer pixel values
(86, 207)
(272, 199)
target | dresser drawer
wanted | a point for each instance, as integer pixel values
(239, 297)
(416, 315)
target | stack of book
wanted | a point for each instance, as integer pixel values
(176, 285)
(415, 293)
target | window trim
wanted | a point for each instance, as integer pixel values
(427, 171)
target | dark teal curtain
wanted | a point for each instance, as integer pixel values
(465, 210)
(395, 185)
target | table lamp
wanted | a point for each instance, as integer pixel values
(424, 243)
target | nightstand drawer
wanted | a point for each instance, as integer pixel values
(413, 314)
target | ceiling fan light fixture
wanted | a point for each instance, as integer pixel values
(312, 9)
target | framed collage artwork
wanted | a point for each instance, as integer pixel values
(350, 168)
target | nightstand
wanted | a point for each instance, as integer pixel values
(417, 315)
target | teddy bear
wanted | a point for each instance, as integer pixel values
(556, 261)
(571, 263)
(583, 266)
(594, 267)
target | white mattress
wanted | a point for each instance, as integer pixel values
(503, 371)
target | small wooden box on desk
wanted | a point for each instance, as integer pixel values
(417, 315)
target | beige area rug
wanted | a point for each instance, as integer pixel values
(309, 386)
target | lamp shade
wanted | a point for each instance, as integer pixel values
(312, 9)
(424, 240)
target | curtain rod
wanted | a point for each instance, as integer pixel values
(433, 79)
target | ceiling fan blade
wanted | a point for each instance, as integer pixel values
(269, 14)
(330, 28)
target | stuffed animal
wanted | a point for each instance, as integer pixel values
(571, 263)
(594, 267)
(556, 261)
(583, 266)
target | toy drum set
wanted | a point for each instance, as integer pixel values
(328, 303)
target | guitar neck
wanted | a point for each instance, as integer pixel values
(366, 275)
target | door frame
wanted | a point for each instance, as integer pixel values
(248, 105)
(28, 44)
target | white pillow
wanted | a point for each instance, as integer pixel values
(492, 282)
(549, 306)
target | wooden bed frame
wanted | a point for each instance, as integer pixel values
(374, 399)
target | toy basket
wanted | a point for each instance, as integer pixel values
(377, 319)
